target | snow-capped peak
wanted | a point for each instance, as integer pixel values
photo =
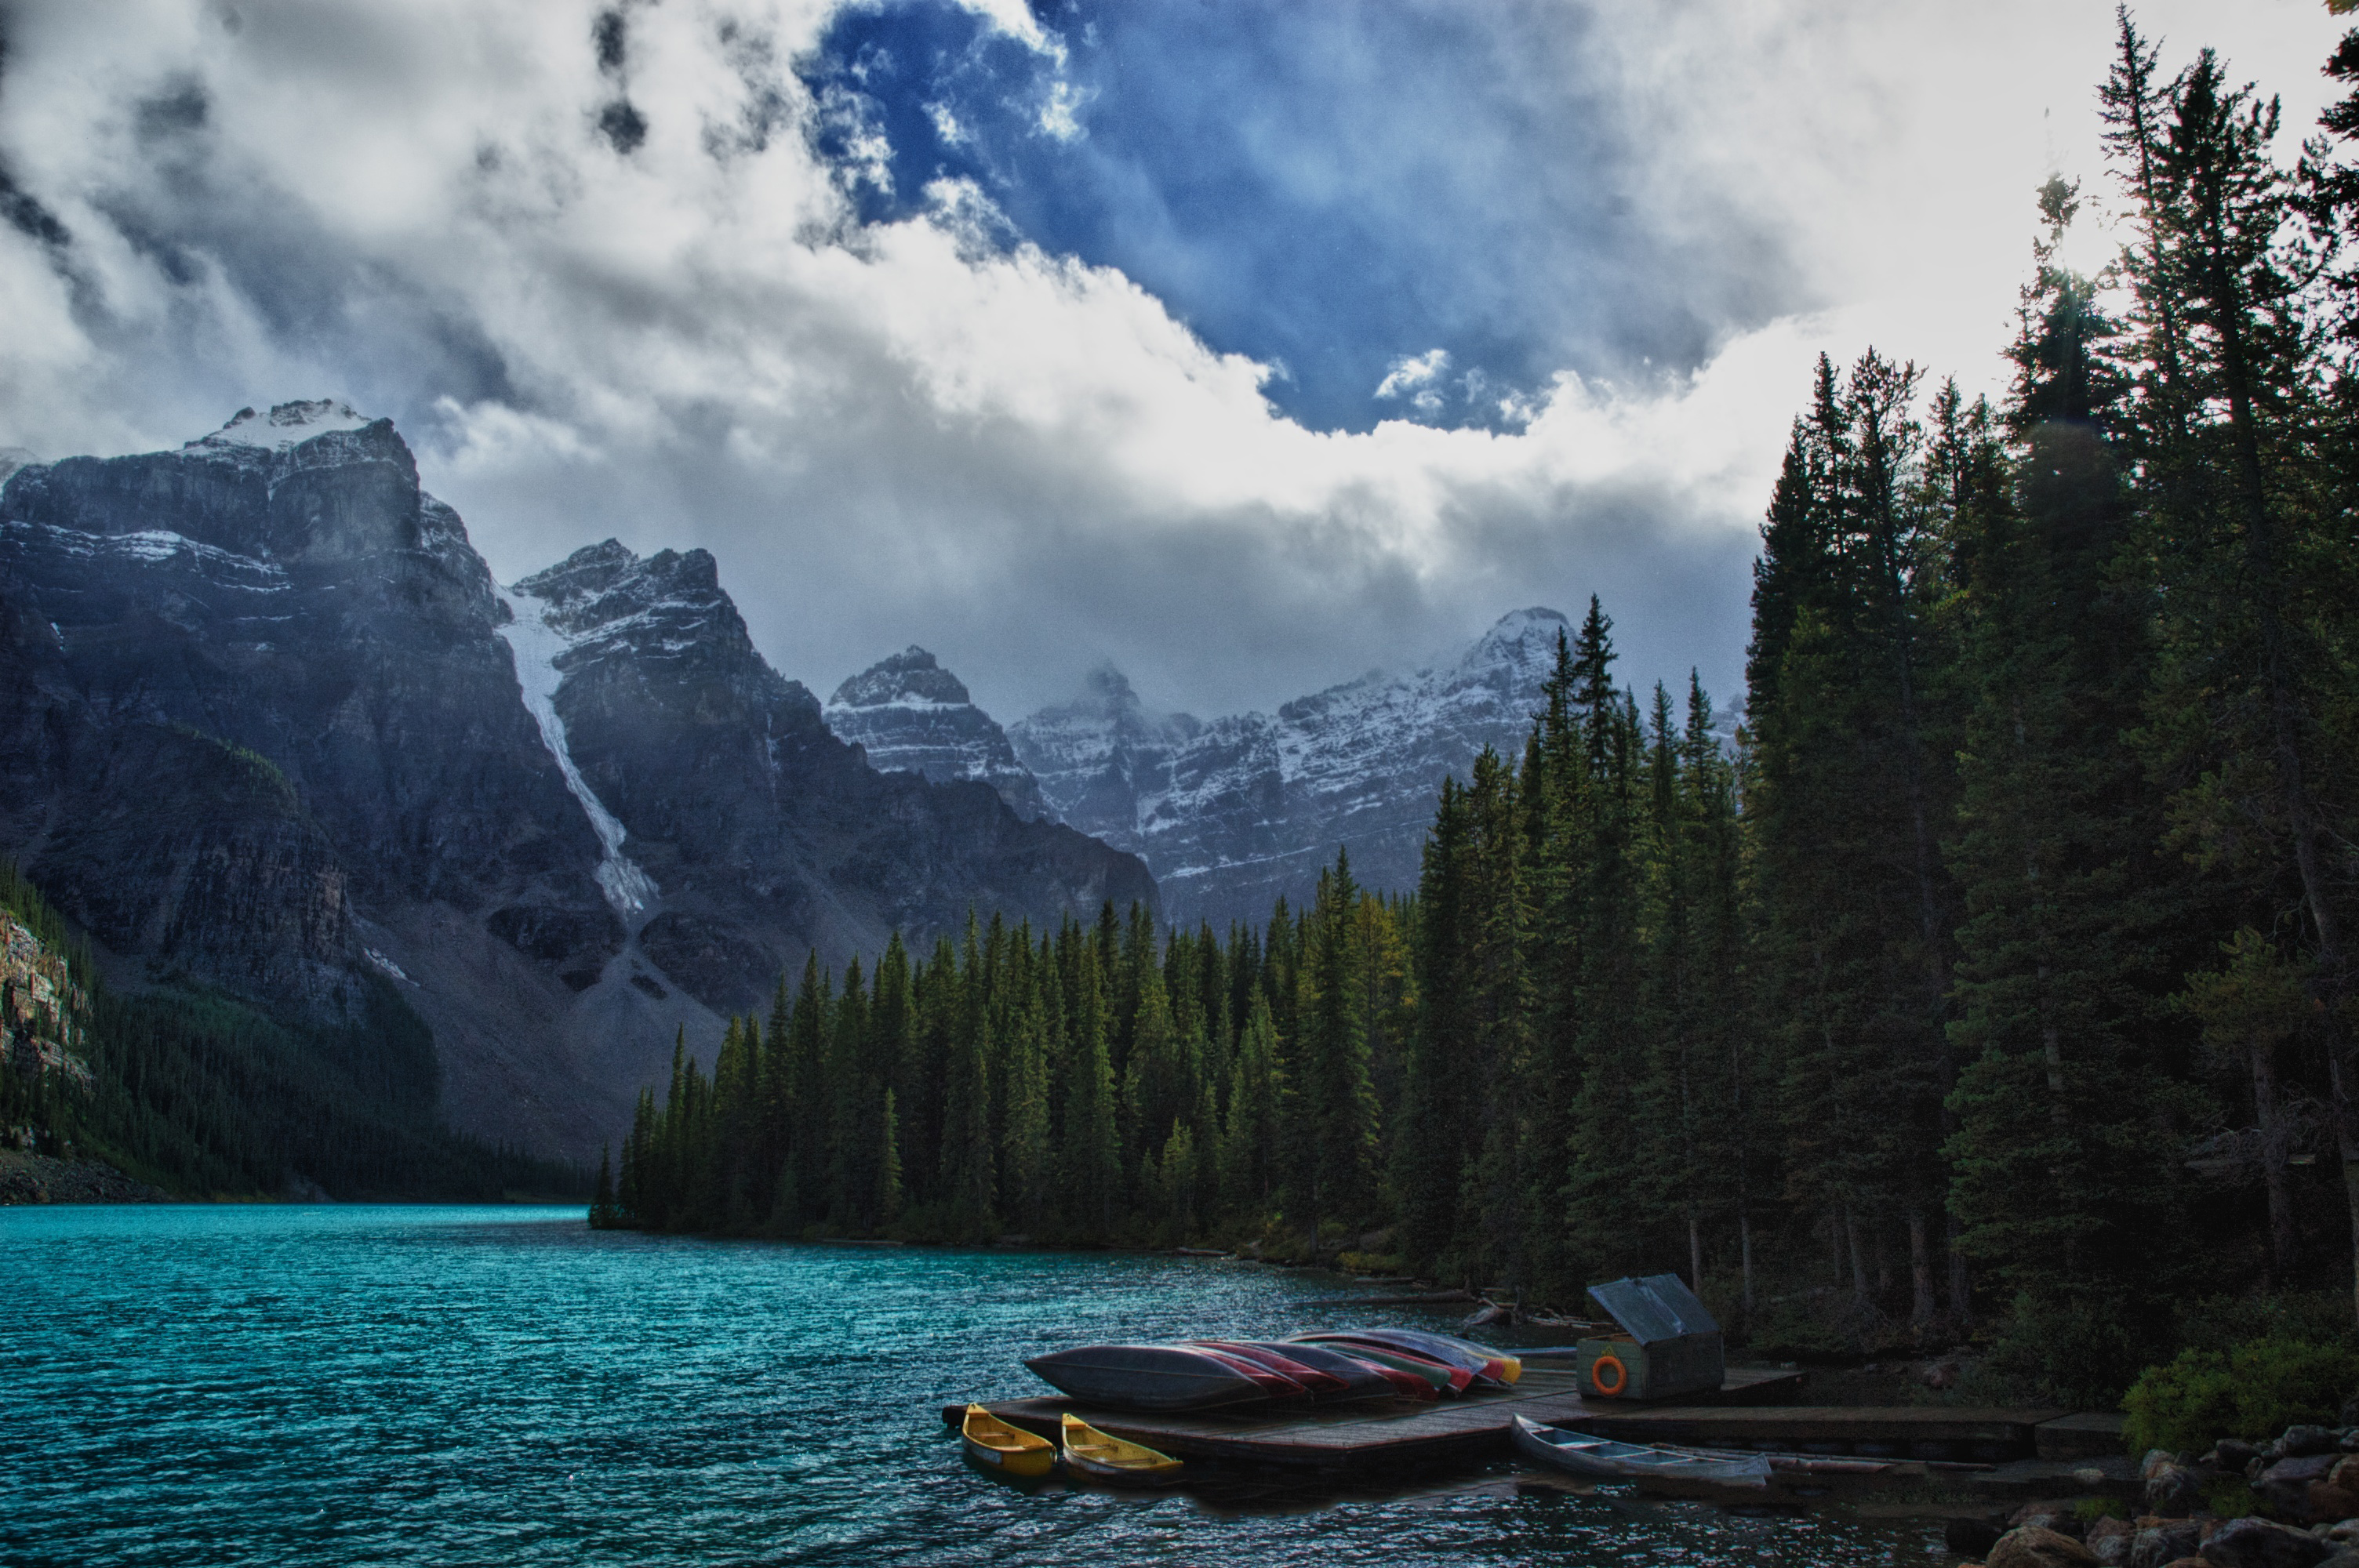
(909, 677)
(287, 425)
(1520, 637)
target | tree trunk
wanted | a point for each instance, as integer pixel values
(2274, 1175)
(1745, 1251)
(1921, 1308)
(1858, 1259)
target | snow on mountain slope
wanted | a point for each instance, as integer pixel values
(537, 646)
(1232, 813)
(910, 715)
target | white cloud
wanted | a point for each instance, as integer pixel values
(1413, 377)
(907, 434)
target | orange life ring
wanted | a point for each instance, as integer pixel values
(1621, 1374)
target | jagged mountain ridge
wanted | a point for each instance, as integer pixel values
(907, 714)
(262, 724)
(1232, 814)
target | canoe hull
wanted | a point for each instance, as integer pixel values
(1595, 1459)
(1007, 1450)
(1029, 1464)
(1360, 1380)
(1116, 1462)
(1148, 1378)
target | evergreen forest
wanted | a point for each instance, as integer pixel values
(1991, 975)
(201, 1094)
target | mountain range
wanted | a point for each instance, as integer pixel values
(1231, 814)
(268, 725)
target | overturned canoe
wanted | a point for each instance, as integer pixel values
(1489, 1368)
(1481, 1359)
(992, 1442)
(1360, 1380)
(1102, 1456)
(1598, 1459)
(1157, 1376)
(1445, 1378)
(1277, 1359)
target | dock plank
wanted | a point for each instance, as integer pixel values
(1740, 1426)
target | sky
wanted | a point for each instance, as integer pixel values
(1248, 344)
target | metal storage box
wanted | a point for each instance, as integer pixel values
(1670, 1343)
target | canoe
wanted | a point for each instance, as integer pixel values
(1497, 1365)
(1361, 1380)
(1103, 1456)
(1151, 1377)
(1490, 1370)
(1445, 1378)
(1011, 1450)
(1274, 1384)
(1599, 1459)
(1318, 1384)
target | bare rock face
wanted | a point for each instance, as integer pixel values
(760, 834)
(910, 715)
(266, 721)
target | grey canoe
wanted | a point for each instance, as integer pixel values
(1599, 1459)
(1148, 1377)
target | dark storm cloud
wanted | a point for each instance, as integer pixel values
(19, 208)
(1009, 365)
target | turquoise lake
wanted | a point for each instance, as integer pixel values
(451, 1385)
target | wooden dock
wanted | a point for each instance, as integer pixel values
(1949, 1433)
(1375, 1435)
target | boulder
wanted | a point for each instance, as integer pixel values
(2257, 1542)
(2160, 1542)
(2109, 1539)
(2047, 1514)
(2332, 1499)
(2232, 1454)
(2284, 1487)
(2171, 1491)
(2301, 1441)
(2030, 1546)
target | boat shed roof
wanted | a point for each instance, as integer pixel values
(1654, 1309)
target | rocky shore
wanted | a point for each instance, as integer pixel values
(38, 1178)
(2307, 1481)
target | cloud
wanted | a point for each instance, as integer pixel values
(930, 428)
(1413, 377)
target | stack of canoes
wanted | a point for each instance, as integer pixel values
(1209, 1374)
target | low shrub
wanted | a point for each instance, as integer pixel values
(2253, 1390)
(2077, 1352)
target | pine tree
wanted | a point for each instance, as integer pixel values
(2058, 1177)
(1026, 1152)
(1092, 1151)
(2250, 706)
(1338, 1104)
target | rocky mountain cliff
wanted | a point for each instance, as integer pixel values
(267, 723)
(1234, 813)
(910, 715)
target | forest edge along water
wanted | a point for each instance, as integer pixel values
(275, 1384)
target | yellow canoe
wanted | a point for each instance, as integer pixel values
(1102, 1457)
(1011, 1450)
